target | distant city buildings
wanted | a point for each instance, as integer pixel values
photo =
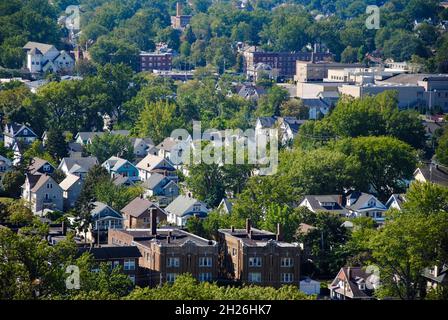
(277, 64)
(158, 60)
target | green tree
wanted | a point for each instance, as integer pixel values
(56, 145)
(386, 162)
(156, 120)
(442, 149)
(107, 145)
(12, 183)
(206, 183)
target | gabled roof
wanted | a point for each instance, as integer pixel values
(83, 164)
(120, 180)
(101, 210)
(38, 181)
(398, 198)
(145, 142)
(69, 181)
(357, 275)
(42, 47)
(167, 144)
(359, 201)
(138, 206)
(267, 122)
(151, 162)
(115, 163)
(154, 180)
(13, 129)
(37, 164)
(434, 174)
(226, 205)
(181, 205)
(321, 203)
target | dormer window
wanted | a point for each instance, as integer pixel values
(362, 286)
(47, 167)
(25, 131)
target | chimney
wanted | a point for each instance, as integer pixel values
(251, 234)
(279, 233)
(168, 239)
(340, 200)
(232, 229)
(64, 228)
(248, 226)
(178, 9)
(349, 273)
(153, 222)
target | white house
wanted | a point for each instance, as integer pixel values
(17, 132)
(183, 208)
(155, 164)
(42, 192)
(41, 57)
(362, 204)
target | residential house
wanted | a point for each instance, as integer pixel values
(120, 180)
(103, 218)
(166, 147)
(251, 92)
(289, 127)
(168, 253)
(86, 138)
(137, 213)
(41, 57)
(75, 150)
(225, 207)
(18, 133)
(121, 167)
(183, 208)
(71, 187)
(5, 166)
(352, 283)
(325, 203)
(40, 166)
(126, 257)
(161, 188)
(77, 166)
(42, 192)
(143, 147)
(396, 201)
(361, 204)
(259, 257)
(265, 123)
(155, 164)
(432, 173)
(436, 276)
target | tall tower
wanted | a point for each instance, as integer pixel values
(178, 9)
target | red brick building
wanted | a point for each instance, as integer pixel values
(150, 61)
(259, 257)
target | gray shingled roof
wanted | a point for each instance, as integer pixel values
(137, 207)
(154, 180)
(180, 205)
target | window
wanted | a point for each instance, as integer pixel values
(205, 261)
(286, 262)
(132, 277)
(47, 167)
(49, 186)
(129, 264)
(205, 276)
(116, 263)
(255, 262)
(234, 252)
(171, 277)
(287, 277)
(173, 262)
(254, 277)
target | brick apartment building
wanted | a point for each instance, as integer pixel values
(150, 61)
(127, 257)
(283, 62)
(259, 257)
(167, 252)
